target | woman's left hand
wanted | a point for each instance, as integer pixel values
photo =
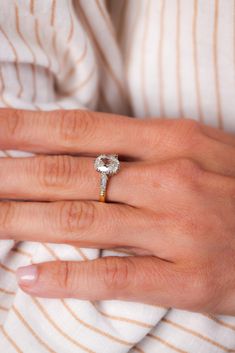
(172, 203)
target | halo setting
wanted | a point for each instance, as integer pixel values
(107, 165)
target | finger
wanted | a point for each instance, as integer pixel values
(146, 279)
(216, 157)
(218, 186)
(63, 177)
(72, 131)
(59, 177)
(90, 133)
(81, 223)
(219, 135)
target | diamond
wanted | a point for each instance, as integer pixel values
(103, 182)
(107, 164)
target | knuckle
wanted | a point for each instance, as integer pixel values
(15, 122)
(116, 273)
(178, 135)
(190, 227)
(186, 166)
(232, 192)
(55, 171)
(66, 275)
(184, 171)
(6, 215)
(202, 289)
(76, 127)
(206, 284)
(188, 132)
(75, 218)
(143, 174)
(189, 124)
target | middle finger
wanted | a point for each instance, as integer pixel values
(82, 223)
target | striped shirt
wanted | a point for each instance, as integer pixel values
(158, 58)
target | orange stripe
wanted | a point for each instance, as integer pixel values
(32, 7)
(52, 322)
(19, 94)
(71, 31)
(65, 57)
(196, 334)
(124, 319)
(178, 60)
(34, 334)
(143, 57)
(81, 253)
(36, 29)
(133, 31)
(107, 65)
(121, 20)
(81, 84)
(131, 42)
(54, 38)
(216, 66)
(56, 54)
(6, 268)
(17, 22)
(53, 8)
(6, 291)
(95, 329)
(51, 252)
(3, 89)
(70, 34)
(54, 44)
(106, 19)
(195, 62)
(220, 322)
(77, 62)
(9, 339)
(160, 60)
(167, 344)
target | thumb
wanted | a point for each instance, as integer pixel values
(143, 278)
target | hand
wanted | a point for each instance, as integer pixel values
(173, 203)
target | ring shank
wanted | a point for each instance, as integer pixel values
(103, 187)
(102, 198)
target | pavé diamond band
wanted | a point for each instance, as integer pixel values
(107, 165)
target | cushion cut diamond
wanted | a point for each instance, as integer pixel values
(107, 164)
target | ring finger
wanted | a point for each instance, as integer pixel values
(58, 177)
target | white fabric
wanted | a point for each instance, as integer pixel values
(155, 58)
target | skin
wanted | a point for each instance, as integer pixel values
(172, 204)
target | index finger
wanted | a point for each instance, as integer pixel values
(72, 131)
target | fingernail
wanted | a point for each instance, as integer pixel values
(27, 275)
